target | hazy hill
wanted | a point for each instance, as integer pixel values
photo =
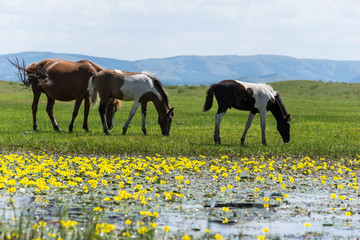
(195, 70)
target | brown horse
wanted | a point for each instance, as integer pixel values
(130, 86)
(59, 80)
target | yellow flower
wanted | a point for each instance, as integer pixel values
(126, 234)
(256, 189)
(261, 237)
(153, 225)
(186, 237)
(166, 228)
(218, 237)
(97, 209)
(104, 228)
(128, 222)
(229, 186)
(348, 214)
(265, 230)
(207, 231)
(333, 195)
(307, 224)
(225, 220)
(225, 209)
(223, 189)
(143, 230)
(11, 190)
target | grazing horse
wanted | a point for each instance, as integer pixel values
(130, 86)
(256, 98)
(59, 80)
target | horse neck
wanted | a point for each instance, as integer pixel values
(160, 100)
(160, 105)
(278, 110)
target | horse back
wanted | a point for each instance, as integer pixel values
(230, 93)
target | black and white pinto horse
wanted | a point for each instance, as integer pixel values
(254, 97)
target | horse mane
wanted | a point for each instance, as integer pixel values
(281, 105)
(159, 87)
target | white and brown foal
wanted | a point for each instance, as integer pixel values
(130, 86)
(254, 97)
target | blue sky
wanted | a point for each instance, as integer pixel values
(140, 29)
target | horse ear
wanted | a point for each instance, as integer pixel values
(288, 118)
(171, 112)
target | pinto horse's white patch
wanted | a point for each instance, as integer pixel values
(137, 85)
(262, 93)
(118, 71)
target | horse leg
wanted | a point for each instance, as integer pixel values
(102, 112)
(50, 112)
(86, 114)
(131, 115)
(218, 118)
(247, 126)
(75, 113)
(34, 109)
(143, 114)
(263, 125)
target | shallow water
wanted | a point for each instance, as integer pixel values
(236, 197)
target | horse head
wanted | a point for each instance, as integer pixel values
(112, 107)
(31, 74)
(283, 118)
(165, 120)
(283, 127)
(38, 75)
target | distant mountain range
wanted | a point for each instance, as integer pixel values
(196, 70)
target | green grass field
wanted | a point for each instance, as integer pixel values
(325, 122)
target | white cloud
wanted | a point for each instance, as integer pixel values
(140, 29)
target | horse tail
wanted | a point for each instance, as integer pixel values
(209, 97)
(93, 93)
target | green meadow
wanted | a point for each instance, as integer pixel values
(325, 122)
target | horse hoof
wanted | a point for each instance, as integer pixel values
(242, 142)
